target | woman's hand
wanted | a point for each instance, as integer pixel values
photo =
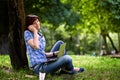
(56, 53)
(32, 28)
(52, 54)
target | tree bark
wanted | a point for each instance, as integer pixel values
(17, 49)
(112, 43)
(105, 43)
(119, 40)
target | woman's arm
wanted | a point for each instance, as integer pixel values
(34, 43)
(52, 54)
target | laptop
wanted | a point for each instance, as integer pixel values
(61, 53)
(61, 49)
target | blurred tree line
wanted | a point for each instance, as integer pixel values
(86, 25)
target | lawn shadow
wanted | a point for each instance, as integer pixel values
(60, 77)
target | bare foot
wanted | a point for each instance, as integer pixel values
(76, 69)
(79, 69)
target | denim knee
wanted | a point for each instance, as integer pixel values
(60, 41)
(67, 58)
(68, 62)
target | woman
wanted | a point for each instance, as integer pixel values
(38, 58)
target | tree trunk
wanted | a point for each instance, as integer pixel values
(17, 49)
(119, 40)
(4, 27)
(112, 43)
(85, 44)
(105, 43)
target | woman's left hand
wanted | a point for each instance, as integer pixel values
(56, 53)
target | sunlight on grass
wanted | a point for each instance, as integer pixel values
(5, 60)
(96, 68)
(95, 62)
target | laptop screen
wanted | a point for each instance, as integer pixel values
(61, 49)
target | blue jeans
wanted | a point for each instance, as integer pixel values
(63, 62)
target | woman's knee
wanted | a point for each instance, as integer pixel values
(67, 58)
(60, 42)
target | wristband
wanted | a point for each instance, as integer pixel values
(54, 54)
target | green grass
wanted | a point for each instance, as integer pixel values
(96, 68)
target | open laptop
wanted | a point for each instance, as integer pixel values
(61, 49)
(61, 53)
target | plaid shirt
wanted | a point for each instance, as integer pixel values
(35, 56)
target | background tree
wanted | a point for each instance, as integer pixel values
(114, 19)
(96, 17)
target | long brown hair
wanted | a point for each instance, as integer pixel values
(29, 20)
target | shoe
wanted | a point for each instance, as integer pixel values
(81, 70)
(72, 72)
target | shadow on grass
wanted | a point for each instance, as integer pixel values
(60, 77)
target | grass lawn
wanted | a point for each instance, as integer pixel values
(96, 68)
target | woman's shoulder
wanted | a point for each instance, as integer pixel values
(28, 34)
(27, 31)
